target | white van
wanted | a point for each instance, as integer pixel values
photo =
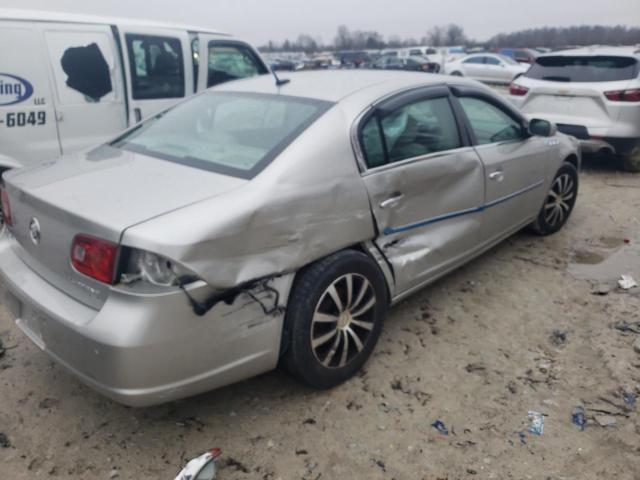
(72, 81)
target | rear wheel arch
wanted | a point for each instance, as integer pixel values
(359, 248)
(309, 291)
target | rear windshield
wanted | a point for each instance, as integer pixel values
(235, 134)
(597, 68)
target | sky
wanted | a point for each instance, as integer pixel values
(258, 21)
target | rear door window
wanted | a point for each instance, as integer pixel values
(416, 129)
(231, 62)
(582, 68)
(157, 67)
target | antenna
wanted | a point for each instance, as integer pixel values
(279, 81)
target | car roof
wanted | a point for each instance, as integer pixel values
(338, 85)
(596, 50)
(62, 17)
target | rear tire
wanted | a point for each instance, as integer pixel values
(457, 74)
(334, 318)
(559, 202)
(631, 163)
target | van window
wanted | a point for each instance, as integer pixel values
(157, 67)
(231, 62)
(582, 68)
(83, 65)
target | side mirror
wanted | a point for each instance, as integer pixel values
(542, 128)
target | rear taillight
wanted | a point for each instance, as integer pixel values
(6, 208)
(94, 257)
(517, 90)
(623, 95)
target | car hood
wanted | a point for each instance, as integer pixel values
(110, 189)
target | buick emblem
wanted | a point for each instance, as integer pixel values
(34, 231)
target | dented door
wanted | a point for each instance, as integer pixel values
(88, 84)
(427, 207)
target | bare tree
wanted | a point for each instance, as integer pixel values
(568, 36)
(455, 35)
(343, 39)
(435, 36)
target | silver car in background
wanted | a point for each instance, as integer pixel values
(259, 223)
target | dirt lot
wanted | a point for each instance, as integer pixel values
(476, 350)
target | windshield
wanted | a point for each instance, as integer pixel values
(231, 133)
(598, 68)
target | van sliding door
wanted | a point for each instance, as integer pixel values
(88, 82)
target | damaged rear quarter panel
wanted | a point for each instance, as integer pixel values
(310, 202)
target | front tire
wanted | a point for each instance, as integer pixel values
(559, 202)
(334, 318)
(457, 74)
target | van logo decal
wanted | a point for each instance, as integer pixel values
(14, 89)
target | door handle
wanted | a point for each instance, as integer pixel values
(392, 201)
(138, 114)
(497, 176)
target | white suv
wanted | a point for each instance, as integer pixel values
(592, 94)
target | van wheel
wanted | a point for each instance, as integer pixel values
(457, 74)
(334, 318)
(631, 163)
(559, 202)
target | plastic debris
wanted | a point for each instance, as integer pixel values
(537, 422)
(523, 438)
(626, 327)
(629, 398)
(439, 425)
(578, 417)
(626, 282)
(202, 467)
(559, 337)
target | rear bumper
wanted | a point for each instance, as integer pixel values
(141, 348)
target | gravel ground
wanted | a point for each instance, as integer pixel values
(517, 330)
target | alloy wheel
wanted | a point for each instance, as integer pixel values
(560, 200)
(343, 320)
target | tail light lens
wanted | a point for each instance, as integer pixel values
(94, 257)
(6, 208)
(518, 90)
(623, 95)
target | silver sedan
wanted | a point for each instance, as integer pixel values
(261, 223)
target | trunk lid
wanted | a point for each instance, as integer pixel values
(100, 193)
